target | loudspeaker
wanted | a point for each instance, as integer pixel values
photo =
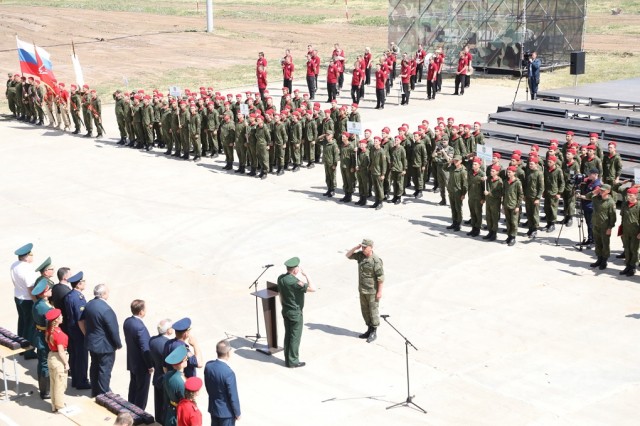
(577, 63)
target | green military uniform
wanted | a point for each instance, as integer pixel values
(11, 95)
(533, 190)
(119, 110)
(476, 200)
(398, 165)
(512, 200)
(603, 220)
(442, 156)
(495, 191)
(252, 159)
(242, 144)
(330, 157)
(76, 102)
(173, 384)
(292, 293)
(378, 169)
(175, 130)
(591, 163)
(263, 139)
(347, 170)
(185, 138)
(611, 170)
(457, 186)
(279, 143)
(228, 138)
(137, 111)
(20, 112)
(553, 185)
(195, 127)
(213, 124)
(295, 139)
(165, 124)
(39, 310)
(419, 161)
(459, 147)
(362, 173)
(630, 229)
(147, 126)
(310, 139)
(370, 276)
(86, 113)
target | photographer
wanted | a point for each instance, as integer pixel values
(533, 72)
(604, 219)
(588, 185)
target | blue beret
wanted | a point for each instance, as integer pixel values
(40, 286)
(177, 355)
(76, 278)
(25, 249)
(43, 265)
(182, 325)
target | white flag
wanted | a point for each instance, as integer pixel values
(78, 70)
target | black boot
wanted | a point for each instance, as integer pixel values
(253, 171)
(372, 335)
(597, 262)
(456, 227)
(632, 271)
(488, 236)
(625, 270)
(603, 264)
(279, 172)
(366, 334)
(347, 198)
(493, 236)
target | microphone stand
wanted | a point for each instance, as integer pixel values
(257, 336)
(409, 401)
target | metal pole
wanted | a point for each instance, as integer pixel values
(209, 16)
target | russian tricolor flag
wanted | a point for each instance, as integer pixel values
(27, 57)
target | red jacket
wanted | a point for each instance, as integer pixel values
(462, 66)
(262, 80)
(287, 70)
(432, 71)
(311, 67)
(381, 78)
(357, 77)
(332, 73)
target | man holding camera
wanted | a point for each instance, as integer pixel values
(533, 73)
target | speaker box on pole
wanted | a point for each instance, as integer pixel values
(577, 63)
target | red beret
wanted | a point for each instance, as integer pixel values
(400, 137)
(535, 147)
(193, 384)
(305, 95)
(85, 86)
(593, 135)
(146, 97)
(496, 167)
(570, 133)
(478, 123)
(515, 157)
(632, 190)
(477, 160)
(517, 152)
(345, 134)
(440, 118)
(416, 133)
(552, 158)
(52, 314)
(377, 138)
(364, 141)
(497, 155)
(368, 130)
(296, 91)
(467, 126)
(386, 130)
(572, 151)
(450, 119)
(511, 168)
(226, 103)
(93, 90)
(354, 105)
(612, 143)
(73, 86)
(229, 95)
(309, 112)
(591, 147)
(327, 112)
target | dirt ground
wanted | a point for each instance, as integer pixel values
(113, 46)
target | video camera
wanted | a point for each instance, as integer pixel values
(578, 179)
(526, 58)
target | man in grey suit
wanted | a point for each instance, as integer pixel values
(220, 380)
(99, 324)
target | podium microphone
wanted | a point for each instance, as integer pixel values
(384, 316)
(268, 266)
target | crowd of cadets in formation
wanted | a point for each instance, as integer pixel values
(206, 123)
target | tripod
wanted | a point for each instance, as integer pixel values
(580, 225)
(257, 336)
(409, 401)
(522, 76)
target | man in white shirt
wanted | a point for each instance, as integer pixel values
(24, 277)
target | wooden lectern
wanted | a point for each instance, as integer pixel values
(268, 296)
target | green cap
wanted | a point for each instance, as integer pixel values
(292, 263)
(177, 355)
(367, 242)
(605, 187)
(457, 158)
(44, 265)
(40, 286)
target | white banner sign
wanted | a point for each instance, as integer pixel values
(636, 176)
(354, 127)
(244, 109)
(175, 91)
(485, 152)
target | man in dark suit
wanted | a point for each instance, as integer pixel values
(533, 74)
(100, 327)
(220, 380)
(139, 362)
(74, 304)
(156, 348)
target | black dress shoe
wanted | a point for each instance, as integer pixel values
(298, 365)
(453, 225)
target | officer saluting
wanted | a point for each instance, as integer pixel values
(370, 282)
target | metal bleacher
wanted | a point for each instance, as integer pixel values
(611, 109)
